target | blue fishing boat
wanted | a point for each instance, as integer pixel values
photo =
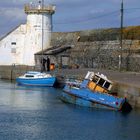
(94, 91)
(34, 78)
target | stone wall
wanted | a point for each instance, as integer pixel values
(131, 92)
(100, 54)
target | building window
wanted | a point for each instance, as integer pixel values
(13, 43)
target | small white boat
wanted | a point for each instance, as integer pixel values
(34, 78)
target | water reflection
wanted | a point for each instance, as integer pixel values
(38, 114)
(25, 97)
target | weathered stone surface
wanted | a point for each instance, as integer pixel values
(99, 54)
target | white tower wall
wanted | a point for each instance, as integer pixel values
(34, 22)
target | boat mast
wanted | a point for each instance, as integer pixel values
(42, 32)
(121, 37)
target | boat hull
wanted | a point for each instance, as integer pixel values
(84, 97)
(69, 98)
(49, 81)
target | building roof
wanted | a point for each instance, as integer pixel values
(54, 50)
(9, 32)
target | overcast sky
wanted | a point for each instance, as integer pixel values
(73, 15)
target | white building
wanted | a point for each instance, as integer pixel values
(20, 45)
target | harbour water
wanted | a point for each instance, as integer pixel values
(31, 113)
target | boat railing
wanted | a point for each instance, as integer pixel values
(31, 8)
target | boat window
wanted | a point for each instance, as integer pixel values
(101, 82)
(95, 79)
(29, 76)
(106, 85)
(75, 85)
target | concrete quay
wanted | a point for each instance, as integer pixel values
(129, 78)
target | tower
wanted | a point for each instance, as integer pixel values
(38, 29)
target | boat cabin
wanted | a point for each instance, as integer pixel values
(31, 74)
(98, 82)
(34, 74)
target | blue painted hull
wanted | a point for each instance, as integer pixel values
(37, 82)
(85, 97)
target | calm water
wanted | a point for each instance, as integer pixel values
(39, 114)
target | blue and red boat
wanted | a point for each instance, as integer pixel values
(34, 78)
(94, 91)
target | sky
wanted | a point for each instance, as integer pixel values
(73, 15)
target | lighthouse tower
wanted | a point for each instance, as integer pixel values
(39, 28)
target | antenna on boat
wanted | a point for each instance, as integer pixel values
(121, 37)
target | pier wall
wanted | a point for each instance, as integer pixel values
(131, 92)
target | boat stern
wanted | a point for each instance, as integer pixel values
(125, 107)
